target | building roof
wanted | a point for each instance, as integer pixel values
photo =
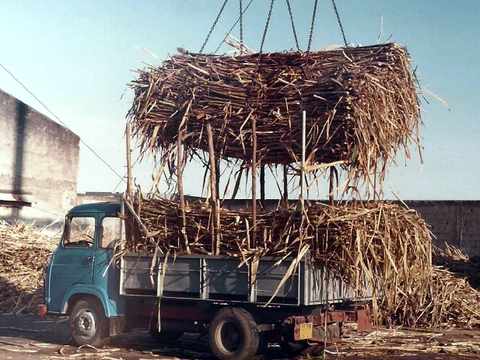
(5, 95)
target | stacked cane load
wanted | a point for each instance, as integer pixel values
(361, 105)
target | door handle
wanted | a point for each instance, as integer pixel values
(89, 259)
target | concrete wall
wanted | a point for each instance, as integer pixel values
(38, 163)
(90, 197)
(455, 222)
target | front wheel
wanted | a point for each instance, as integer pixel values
(233, 334)
(88, 323)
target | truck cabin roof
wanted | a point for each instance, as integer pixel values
(107, 208)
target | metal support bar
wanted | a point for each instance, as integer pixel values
(213, 193)
(180, 165)
(302, 169)
(254, 182)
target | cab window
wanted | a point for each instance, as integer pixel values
(79, 232)
(111, 232)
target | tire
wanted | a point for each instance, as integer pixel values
(88, 323)
(233, 335)
(262, 345)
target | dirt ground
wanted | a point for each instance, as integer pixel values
(30, 338)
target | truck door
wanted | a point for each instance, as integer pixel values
(106, 275)
(73, 262)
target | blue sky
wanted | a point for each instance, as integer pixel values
(78, 56)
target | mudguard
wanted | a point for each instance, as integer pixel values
(110, 306)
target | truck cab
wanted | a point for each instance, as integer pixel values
(81, 279)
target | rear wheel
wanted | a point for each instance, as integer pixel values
(88, 323)
(233, 334)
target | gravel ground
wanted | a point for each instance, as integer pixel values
(30, 338)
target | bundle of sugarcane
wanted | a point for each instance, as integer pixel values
(373, 246)
(378, 246)
(24, 253)
(361, 105)
(448, 299)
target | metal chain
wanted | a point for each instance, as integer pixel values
(293, 24)
(213, 26)
(241, 26)
(339, 23)
(232, 27)
(266, 25)
(312, 25)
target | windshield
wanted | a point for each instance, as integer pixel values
(79, 231)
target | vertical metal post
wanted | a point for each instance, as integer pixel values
(213, 193)
(254, 182)
(123, 241)
(302, 170)
(180, 164)
(128, 134)
(217, 177)
(285, 185)
(262, 185)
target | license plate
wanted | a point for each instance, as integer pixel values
(304, 331)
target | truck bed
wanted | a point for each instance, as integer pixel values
(220, 279)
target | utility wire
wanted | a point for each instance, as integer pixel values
(60, 121)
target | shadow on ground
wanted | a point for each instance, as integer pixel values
(25, 330)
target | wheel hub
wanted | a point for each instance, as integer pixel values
(85, 324)
(231, 337)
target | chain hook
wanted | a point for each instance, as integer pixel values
(339, 23)
(293, 24)
(312, 25)
(269, 16)
(213, 26)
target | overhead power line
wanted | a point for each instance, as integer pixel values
(60, 121)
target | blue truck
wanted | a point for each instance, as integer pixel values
(107, 292)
